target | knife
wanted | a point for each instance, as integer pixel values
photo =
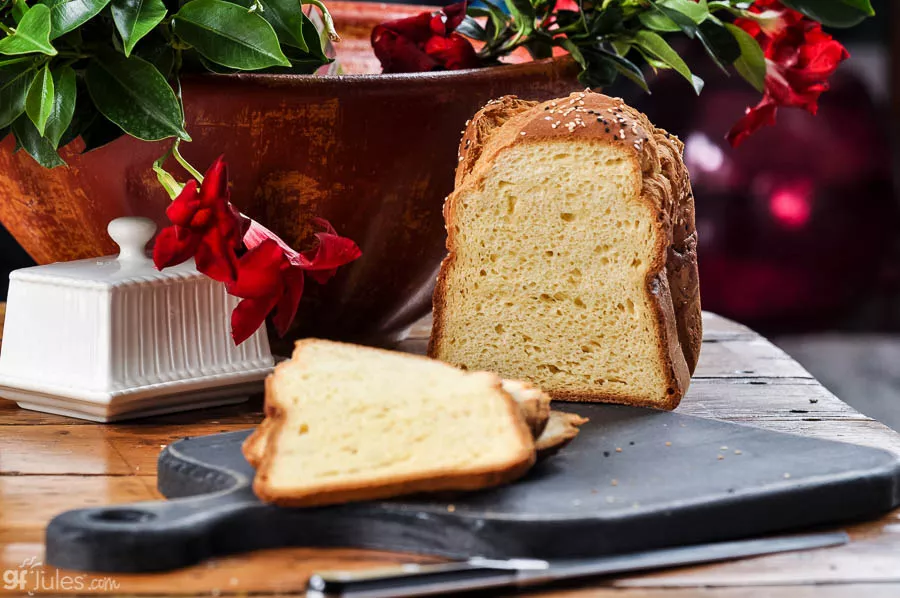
(480, 573)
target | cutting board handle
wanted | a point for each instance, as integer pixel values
(169, 534)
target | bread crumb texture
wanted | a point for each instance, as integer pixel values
(559, 244)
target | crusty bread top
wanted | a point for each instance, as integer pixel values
(592, 116)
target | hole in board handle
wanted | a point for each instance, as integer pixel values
(122, 516)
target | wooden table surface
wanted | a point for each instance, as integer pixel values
(50, 464)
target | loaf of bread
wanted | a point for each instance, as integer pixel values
(352, 423)
(572, 253)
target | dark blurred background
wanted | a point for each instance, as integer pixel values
(799, 229)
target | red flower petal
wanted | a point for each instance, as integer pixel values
(214, 188)
(287, 306)
(174, 245)
(260, 272)
(399, 54)
(454, 52)
(755, 119)
(182, 209)
(445, 21)
(416, 28)
(249, 315)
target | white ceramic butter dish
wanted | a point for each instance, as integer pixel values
(113, 338)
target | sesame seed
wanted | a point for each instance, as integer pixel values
(737, 452)
(668, 444)
(618, 449)
(614, 483)
(522, 133)
(451, 508)
(787, 476)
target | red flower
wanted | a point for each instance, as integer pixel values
(800, 58)
(425, 42)
(271, 276)
(205, 226)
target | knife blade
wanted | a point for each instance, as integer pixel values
(480, 573)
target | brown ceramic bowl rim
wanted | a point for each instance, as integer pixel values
(432, 78)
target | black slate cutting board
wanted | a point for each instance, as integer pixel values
(633, 480)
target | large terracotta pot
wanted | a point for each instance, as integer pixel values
(374, 154)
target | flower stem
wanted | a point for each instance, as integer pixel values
(6, 29)
(329, 22)
(172, 187)
(184, 163)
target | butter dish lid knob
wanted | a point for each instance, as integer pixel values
(132, 234)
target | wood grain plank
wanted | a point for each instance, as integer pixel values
(139, 444)
(56, 449)
(751, 399)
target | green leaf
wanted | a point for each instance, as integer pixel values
(31, 35)
(719, 43)
(134, 95)
(498, 18)
(575, 51)
(227, 34)
(523, 15)
(832, 13)
(863, 5)
(136, 18)
(19, 8)
(37, 146)
(285, 17)
(695, 11)
(14, 81)
(658, 21)
(752, 63)
(39, 100)
(471, 28)
(66, 15)
(654, 44)
(680, 20)
(625, 67)
(65, 92)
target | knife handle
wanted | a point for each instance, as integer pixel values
(408, 580)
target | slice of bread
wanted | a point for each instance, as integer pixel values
(354, 423)
(561, 429)
(534, 405)
(572, 253)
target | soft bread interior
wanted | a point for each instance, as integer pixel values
(356, 418)
(549, 279)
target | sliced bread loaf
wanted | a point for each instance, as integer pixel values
(355, 423)
(572, 253)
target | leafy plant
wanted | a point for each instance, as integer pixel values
(609, 38)
(103, 68)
